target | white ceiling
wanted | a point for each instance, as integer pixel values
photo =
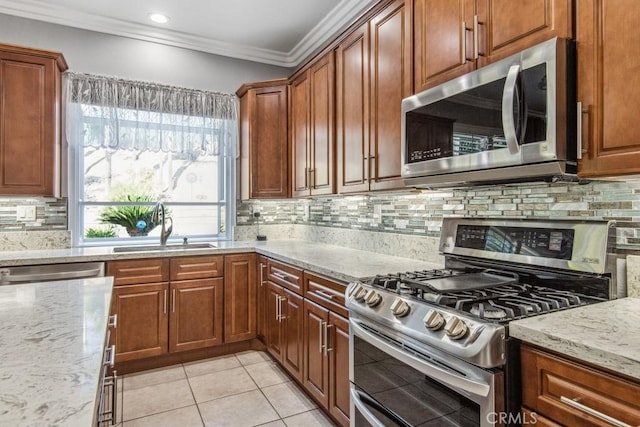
(277, 32)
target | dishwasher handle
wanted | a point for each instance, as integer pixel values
(50, 273)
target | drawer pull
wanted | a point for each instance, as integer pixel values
(574, 403)
(110, 356)
(325, 294)
(113, 321)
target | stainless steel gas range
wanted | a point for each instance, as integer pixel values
(432, 348)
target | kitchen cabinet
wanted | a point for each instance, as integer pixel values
(311, 127)
(240, 289)
(373, 75)
(140, 300)
(562, 391)
(326, 346)
(284, 316)
(608, 86)
(452, 38)
(284, 328)
(30, 130)
(264, 147)
(167, 305)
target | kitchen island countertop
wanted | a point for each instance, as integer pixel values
(603, 334)
(52, 342)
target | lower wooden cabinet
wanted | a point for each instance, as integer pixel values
(562, 391)
(284, 328)
(196, 314)
(239, 297)
(143, 320)
(326, 359)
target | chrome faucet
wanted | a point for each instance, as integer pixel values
(158, 215)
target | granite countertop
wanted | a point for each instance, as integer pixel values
(603, 334)
(336, 262)
(52, 342)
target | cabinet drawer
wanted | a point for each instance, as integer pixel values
(548, 381)
(138, 271)
(285, 275)
(325, 292)
(197, 267)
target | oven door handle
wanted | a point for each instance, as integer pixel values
(423, 365)
(360, 400)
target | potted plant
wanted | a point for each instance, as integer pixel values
(135, 219)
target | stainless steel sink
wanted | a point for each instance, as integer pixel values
(153, 248)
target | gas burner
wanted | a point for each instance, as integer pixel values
(487, 310)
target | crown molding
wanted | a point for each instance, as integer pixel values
(344, 13)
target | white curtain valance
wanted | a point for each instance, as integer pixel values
(113, 113)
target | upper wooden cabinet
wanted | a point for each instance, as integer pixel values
(608, 86)
(453, 37)
(311, 127)
(264, 148)
(30, 104)
(373, 75)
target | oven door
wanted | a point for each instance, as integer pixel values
(396, 382)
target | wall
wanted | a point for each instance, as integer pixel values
(420, 212)
(98, 53)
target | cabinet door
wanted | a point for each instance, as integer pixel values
(316, 363)
(292, 310)
(29, 121)
(269, 152)
(299, 134)
(138, 271)
(239, 297)
(196, 314)
(262, 298)
(322, 90)
(508, 26)
(338, 349)
(390, 64)
(274, 330)
(609, 86)
(443, 40)
(352, 111)
(142, 320)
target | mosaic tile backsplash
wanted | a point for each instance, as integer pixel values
(420, 212)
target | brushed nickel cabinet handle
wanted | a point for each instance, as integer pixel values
(325, 294)
(463, 35)
(320, 329)
(262, 266)
(282, 316)
(165, 302)
(326, 338)
(173, 301)
(113, 321)
(574, 403)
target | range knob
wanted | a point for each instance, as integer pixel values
(456, 328)
(358, 293)
(399, 308)
(372, 298)
(433, 320)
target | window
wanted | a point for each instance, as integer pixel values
(134, 144)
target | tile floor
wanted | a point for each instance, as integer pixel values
(243, 389)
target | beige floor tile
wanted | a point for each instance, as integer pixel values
(203, 367)
(153, 376)
(221, 384)
(278, 423)
(245, 409)
(183, 417)
(315, 418)
(154, 399)
(250, 357)
(288, 399)
(267, 373)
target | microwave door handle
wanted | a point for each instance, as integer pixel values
(508, 118)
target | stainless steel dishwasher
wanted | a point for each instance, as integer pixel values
(50, 272)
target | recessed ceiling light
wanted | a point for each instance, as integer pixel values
(159, 18)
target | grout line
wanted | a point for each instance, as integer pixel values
(192, 394)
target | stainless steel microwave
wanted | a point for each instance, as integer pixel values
(511, 121)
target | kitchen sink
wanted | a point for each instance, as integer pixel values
(153, 248)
